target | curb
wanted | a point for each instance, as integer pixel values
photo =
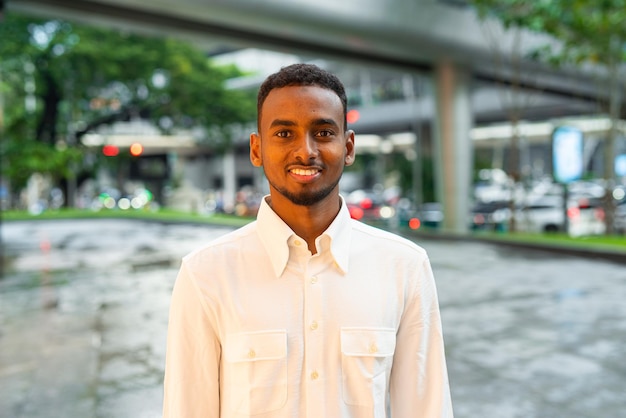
(615, 256)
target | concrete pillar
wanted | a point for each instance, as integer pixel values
(452, 146)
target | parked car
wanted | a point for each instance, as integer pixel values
(430, 214)
(542, 215)
(367, 205)
(492, 216)
(547, 214)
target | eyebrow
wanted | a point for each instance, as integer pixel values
(323, 121)
(316, 122)
(282, 122)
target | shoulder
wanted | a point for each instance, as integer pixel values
(383, 241)
(221, 248)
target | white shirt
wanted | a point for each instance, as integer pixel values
(260, 327)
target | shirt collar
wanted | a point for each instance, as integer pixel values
(339, 232)
(275, 233)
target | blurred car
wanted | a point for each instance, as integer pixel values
(545, 214)
(585, 216)
(367, 205)
(406, 214)
(492, 216)
(429, 215)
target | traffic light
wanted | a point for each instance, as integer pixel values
(110, 150)
(136, 149)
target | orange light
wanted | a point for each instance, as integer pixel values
(353, 115)
(110, 150)
(136, 149)
(414, 223)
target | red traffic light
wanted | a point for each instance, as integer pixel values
(110, 150)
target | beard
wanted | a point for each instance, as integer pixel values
(307, 197)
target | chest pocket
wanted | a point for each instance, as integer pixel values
(255, 371)
(366, 359)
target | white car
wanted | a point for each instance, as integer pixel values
(547, 214)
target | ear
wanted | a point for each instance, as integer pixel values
(350, 151)
(255, 150)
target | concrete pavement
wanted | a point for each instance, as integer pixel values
(83, 317)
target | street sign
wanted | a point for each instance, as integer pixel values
(567, 154)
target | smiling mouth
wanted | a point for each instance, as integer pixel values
(304, 171)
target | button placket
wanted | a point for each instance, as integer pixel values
(314, 336)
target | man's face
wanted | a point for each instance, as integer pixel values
(302, 143)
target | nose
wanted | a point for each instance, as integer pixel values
(306, 148)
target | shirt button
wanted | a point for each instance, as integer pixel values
(373, 348)
(313, 280)
(314, 375)
(297, 242)
(314, 325)
(251, 354)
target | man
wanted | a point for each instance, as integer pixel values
(305, 312)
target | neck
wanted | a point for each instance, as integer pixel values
(308, 222)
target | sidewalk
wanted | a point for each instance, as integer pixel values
(84, 304)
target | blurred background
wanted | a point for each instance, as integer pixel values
(469, 114)
(498, 119)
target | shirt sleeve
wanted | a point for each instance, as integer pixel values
(419, 385)
(191, 383)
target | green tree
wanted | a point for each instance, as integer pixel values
(60, 80)
(589, 32)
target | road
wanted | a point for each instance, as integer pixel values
(83, 319)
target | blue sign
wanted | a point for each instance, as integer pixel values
(620, 165)
(567, 154)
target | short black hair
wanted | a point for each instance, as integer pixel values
(303, 75)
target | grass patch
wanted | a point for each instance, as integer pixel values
(615, 243)
(163, 215)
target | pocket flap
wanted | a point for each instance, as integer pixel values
(372, 342)
(254, 346)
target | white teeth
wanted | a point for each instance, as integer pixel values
(302, 172)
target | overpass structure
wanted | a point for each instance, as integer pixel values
(441, 40)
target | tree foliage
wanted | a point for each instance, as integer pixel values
(60, 80)
(589, 30)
